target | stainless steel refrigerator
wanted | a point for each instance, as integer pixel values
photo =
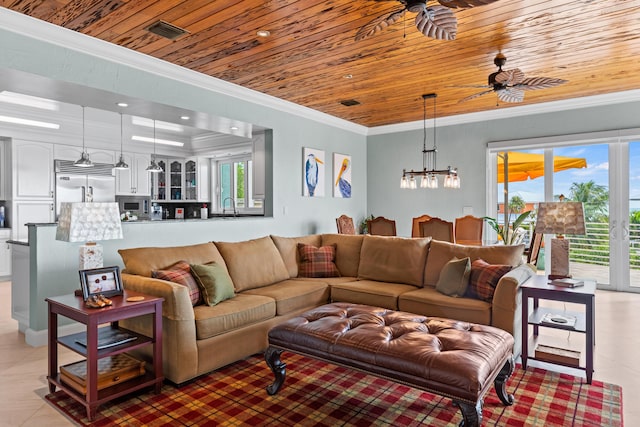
(74, 184)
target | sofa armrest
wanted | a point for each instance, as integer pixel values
(177, 304)
(506, 307)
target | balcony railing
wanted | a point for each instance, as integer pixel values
(593, 248)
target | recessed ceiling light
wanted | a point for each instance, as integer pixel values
(234, 128)
(348, 76)
(157, 140)
(29, 101)
(26, 122)
(185, 117)
(263, 33)
(122, 104)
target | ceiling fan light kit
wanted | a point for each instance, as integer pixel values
(429, 173)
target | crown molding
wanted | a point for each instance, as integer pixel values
(40, 30)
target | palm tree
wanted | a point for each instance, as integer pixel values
(595, 198)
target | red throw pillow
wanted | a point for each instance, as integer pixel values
(180, 273)
(484, 278)
(317, 262)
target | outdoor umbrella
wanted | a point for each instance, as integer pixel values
(519, 166)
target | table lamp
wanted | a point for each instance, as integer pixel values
(560, 218)
(89, 222)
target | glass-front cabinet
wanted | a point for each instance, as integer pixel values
(181, 179)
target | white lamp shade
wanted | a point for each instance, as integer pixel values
(89, 222)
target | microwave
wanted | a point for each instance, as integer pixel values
(137, 205)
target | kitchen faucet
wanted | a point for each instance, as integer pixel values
(233, 204)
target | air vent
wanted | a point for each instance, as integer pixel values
(349, 102)
(166, 30)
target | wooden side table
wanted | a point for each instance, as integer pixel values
(73, 307)
(538, 288)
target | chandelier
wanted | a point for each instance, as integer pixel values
(429, 173)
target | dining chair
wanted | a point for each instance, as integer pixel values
(534, 248)
(345, 225)
(468, 230)
(381, 226)
(415, 227)
(437, 229)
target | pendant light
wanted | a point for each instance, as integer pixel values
(83, 161)
(153, 167)
(429, 173)
(121, 163)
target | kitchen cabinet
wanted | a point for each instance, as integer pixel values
(5, 170)
(32, 170)
(30, 211)
(181, 179)
(73, 153)
(5, 253)
(135, 180)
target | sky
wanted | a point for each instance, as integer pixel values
(597, 169)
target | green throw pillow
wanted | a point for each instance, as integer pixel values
(454, 277)
(214, 281)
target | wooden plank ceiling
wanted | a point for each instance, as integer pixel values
(311, 57)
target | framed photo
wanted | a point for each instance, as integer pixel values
(312, 172)
(101, 281)
(341, 176)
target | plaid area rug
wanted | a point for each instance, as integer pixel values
(319, 394)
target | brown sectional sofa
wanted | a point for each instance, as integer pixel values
(391, 272)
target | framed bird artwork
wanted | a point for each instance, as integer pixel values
(341, 176)
(313, 172)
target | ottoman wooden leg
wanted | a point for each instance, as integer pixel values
(471, 415)
(500, 383)
(272, 357)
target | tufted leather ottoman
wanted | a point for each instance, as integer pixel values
(451, 358)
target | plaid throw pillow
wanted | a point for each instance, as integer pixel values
(317, 262)
(484, 278)
(180, 273)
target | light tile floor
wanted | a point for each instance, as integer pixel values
(23, 368)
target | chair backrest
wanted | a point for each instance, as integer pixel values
(468, 230)
(381, 226)
(415, 227)
(534, 248)
(437, 229)
(345, 225)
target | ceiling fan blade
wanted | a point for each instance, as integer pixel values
(476, 86)
(510, 94)
(532, 83)
(464, 3)
(474, 96)
(437, 22)
(379, 24)
(510, 77)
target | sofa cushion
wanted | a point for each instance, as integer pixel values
(370, 292)
(429, 302)
(347, 251)
(142, 261)
(393, 259)
(180, 273)
(293, 295)
(484, 279)
(253, 263)
(214, 282)
(454, 278)
(288, 248)
(317, 262)
(441, 252)
(232, 314)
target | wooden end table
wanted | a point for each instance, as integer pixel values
(538, 288)
(73, 307)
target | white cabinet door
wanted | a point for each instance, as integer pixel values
(259, 167)
(142, 180)
(5, 171)
(32, 169)
(30, 212)
(203, 180)
(5, 258)
(125, 177)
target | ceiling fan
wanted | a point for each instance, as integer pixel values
(436, 21)
(510, 85)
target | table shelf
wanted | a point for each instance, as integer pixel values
(538, 314)
(69, 341)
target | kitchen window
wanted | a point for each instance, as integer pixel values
(235, 176)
